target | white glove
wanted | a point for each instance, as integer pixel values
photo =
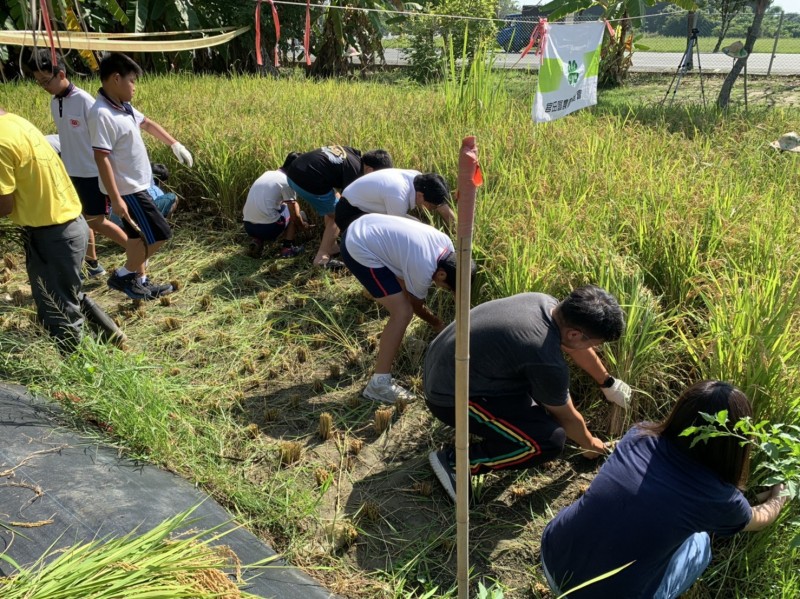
(182, 154)
(618, 393)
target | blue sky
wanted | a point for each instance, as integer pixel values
(788, 5)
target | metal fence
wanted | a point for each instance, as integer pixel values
(659, 43)
(659, 46)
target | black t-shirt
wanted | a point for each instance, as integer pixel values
(515, 351)
(325, 169)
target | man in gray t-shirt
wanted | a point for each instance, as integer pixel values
(519, 380)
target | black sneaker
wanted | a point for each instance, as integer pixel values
(130, 286)
(157, 290)
(444, 470)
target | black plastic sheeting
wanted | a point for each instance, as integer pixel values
(91, 493)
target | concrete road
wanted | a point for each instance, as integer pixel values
(654, 62)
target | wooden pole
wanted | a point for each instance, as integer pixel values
(775, 45)
(469, 177)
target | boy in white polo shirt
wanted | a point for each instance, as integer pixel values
(125, 173)
(70, 108)
(393, 191)
(271, 210)
(397, 260)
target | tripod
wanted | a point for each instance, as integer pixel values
(686, 64)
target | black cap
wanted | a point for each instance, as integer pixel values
(433, 188)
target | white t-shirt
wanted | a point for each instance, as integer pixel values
(263, 205)
(115, 130)
(409, 248)
(385, 191)
(71, 116)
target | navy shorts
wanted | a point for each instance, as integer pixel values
(268, 232)
(93, 201)
(146, 215)
(380, 282)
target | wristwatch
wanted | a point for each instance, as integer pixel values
(608, 383)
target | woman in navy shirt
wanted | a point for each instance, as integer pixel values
(654, 503)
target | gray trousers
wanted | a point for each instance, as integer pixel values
(53, 258)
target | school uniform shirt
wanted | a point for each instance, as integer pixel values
(264, 200)
(115, 130)
(70, 112)
(515, 352)
(409, 248)
(33, 173)
(385, 191)
(320, 171)
(645, 501)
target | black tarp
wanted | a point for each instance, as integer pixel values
(90, 493)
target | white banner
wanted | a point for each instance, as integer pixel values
(568, 73)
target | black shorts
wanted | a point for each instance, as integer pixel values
(145, 214)
(94, 201)
(345, 213)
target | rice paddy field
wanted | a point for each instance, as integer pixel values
(247, 379)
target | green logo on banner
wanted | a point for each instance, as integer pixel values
(572, 73)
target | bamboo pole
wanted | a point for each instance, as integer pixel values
(469, 177)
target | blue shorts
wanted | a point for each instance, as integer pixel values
(380, 282)
(271, 231)
(324, 204)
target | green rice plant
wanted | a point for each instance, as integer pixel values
(746, 333)
(645, 356)
(472, 90)
(159, 563)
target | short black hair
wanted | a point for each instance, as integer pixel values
(433, 188)
(42, 60)
(160, 172)
(118, 63)
(290, 157)
(449, 265)
(594, 311)
(376, 160)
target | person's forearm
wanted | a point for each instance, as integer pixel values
(6, 204)
(294, 212)
(158, 132)
(106, 174)
(766, 513)
(576, 430)
(588, 361)
(421, 310)
(448, 215)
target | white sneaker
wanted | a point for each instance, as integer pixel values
(386, 393)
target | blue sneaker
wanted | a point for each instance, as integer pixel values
(130, 286)
(157, 290)
(95, 271)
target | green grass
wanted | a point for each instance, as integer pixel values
(685, 213)
(662, 43)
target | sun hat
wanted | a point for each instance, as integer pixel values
(735, 50)
(433, 188)
(788, 142)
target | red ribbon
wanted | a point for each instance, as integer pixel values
(49, 27)
(277, 30)
(539, 34)
(610, 30)
(307, 34)
(259, 60)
